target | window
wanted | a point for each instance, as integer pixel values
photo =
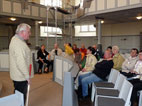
(51, 31)
(57, 3)
(84, 28)
(87, 28)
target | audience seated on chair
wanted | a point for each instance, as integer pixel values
(77, 56)
(109, 48)
(89, 64)
(42, 55)
(83, 50)
(129, 63)
(101, 71)
(117, 58)
(69, 53)
(137, 80)
(55, 52)
(96, 52)
(74, 48)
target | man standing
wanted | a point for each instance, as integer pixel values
(20, 55)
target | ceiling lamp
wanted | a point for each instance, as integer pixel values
(40, 22)
(139, 17)
(13, 19)
(102, 21)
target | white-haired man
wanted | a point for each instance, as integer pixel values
(19, 53)
(117, 58)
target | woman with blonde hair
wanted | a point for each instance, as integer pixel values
(69, 53)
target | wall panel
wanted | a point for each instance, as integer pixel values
(27, 11)
(100, 4)
(92, 6)
(17, 8)
(43, 12)
(134, 2)
(5, 5)
(122, 3)
(111, 4)
(35, 11)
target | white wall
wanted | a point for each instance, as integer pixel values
(131, 28)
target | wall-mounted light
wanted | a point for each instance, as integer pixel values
(40, 22)
(139, 17)
(102, 21)
(13, 19)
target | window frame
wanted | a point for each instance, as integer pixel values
(88, 29)
(57, 3)
(51, 33)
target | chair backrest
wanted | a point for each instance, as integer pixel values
(140, 98)
(126, 92)
(61, 65)
(16, 99)
(119, 82)
(114, 74)
(69, 95)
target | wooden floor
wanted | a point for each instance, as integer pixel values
(43, 91)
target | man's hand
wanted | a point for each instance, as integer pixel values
(29, 82)
(132, 71)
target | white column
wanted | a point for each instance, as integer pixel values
(36, 33)
(99, 31)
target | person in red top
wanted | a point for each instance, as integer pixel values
(83, 51)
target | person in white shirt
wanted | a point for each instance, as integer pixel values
(137, 80)
(130, 62)
(55, 52)
(20, 58)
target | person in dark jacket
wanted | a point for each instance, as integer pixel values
(101, 71)
(42, 56)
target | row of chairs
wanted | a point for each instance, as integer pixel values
(116, 92)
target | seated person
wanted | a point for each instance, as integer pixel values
(83, 50)
(109, 48)
(137, 80)
(55, 52)
(101, 71)
(77, 56)
(89, 64)
(117, 58)
(42, 59)
(129, 63)
(74, 48)
(69, 52)
(97, 53)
